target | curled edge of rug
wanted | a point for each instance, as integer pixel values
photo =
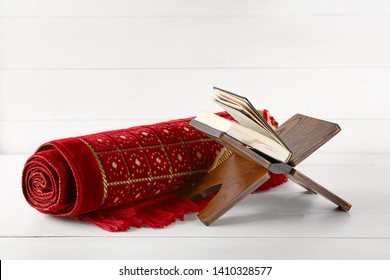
(125, 178)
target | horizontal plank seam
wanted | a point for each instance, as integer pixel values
(161, 120)
(193, 68)
(194, 16)
(359, 163)
(196, 237)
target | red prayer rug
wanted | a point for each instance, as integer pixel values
(124, 178)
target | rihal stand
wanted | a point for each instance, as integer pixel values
(246, 169)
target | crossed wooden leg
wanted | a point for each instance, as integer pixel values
(237, 177)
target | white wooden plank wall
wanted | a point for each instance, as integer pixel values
(74, 67)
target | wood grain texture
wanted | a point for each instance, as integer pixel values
(262, 226)
(194, 42)
(303, 135)
(82, 93)
(194, 248)
(122, 8)
(323, 58)
(311, 52)
(238, 177)
(313, 186)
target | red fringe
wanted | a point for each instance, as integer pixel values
(157, 213)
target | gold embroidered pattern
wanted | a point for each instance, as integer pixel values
(163, 147)
(159, 145)
(153, 178)
(107, 183)
(225, 155)
(102, 170)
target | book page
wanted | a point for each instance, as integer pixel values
(242, 118)
(245, 113)
(243, 106)
(245, 135)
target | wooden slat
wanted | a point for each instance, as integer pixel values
(284, 217)
(92, 94)
(194, 42)
(286, 211)
(194, 248)
(303, 135)
(238, 178)
(104, 8)
(60, 60)
(356, 135)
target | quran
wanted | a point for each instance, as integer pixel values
(251, 128)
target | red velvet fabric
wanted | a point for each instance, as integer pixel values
(118, 179)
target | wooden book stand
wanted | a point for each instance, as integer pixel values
(246, 169)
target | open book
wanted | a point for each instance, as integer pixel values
(250, 129)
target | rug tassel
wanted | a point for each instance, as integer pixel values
(159, 214)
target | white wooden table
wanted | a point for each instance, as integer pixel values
(283, 223)
(73, 67)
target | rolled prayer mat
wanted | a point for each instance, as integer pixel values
(124, 178)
